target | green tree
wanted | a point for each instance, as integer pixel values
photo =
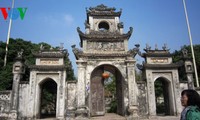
(110, 90)
(177, 56)
(138, 75)
(15, 45)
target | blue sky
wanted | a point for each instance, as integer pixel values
(153, 21)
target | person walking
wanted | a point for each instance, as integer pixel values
(190, 100)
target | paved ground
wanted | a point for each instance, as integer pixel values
(109, 116)
(112, 116)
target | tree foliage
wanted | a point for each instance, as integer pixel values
(177, 56)
(15, 45)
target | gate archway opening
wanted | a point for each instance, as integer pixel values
(48, 98)
(163, 97)
(106, 94)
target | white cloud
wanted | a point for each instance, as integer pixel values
(58, 20)
(68, 19)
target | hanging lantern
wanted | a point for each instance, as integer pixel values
(105, 75)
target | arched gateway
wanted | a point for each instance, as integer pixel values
(47, 77)
(105, 48)
(96, 96)
(162, 82)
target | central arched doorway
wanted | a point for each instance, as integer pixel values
(163, 97)
(48, 98)
(98, 91)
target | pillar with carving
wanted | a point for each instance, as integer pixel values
(81, 111)
(189, 70)
(132, 90)
(189, 73)
(18, 71)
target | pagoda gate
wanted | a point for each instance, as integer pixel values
(105, 48)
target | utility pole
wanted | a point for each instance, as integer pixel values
(190, 36)
(8, 36)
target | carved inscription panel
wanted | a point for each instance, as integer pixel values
(49, 61)
(105, 46)
(159, 60)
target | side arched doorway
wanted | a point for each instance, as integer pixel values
(97, 90)
(163, 97)
(48, 98)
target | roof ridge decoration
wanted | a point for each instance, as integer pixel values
(77, 52)
(165, 49)
(102, 7)
(133, 52)
(103, 10)
(20, 55)
(51, 53)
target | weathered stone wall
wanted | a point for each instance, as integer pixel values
(23, 100)
(71, 95)
(142, 99)
(5, 103)
(70, 98)
(183, 86)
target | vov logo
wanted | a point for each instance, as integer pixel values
(16, 13)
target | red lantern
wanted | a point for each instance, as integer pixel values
(105, 75)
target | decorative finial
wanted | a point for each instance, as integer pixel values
(41, 47)
(185, 52)
(51, 48)
(19, 54)
(156, 47)
(148, 47)
(73, 46)
(165, 47)
(61, 46)
(137, 45)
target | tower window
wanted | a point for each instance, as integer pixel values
(103, 26)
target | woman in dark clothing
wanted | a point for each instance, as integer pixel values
(190, 99)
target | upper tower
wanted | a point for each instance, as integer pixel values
(102, 18)
(104, 31)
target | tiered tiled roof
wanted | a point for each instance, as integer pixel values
(102, 10)
(50, 54)
(105, 34)
(157, 53)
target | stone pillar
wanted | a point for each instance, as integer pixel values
(176, 86)
(150, 94)
(188, 68)
(189, 73)
(132, 90)
(60, 108)
(81, 112)
(18, 71)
